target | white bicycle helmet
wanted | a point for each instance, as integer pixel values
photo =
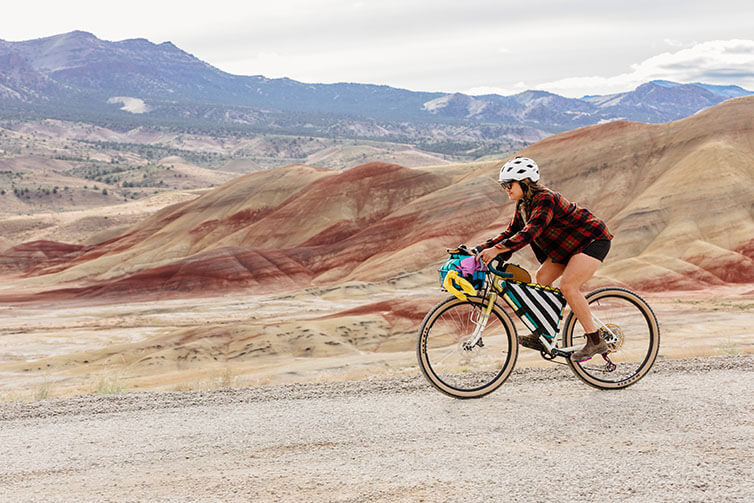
(518, 169)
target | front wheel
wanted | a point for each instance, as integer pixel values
(633, 339)
(448, 359)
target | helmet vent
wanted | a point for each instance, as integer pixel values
(519, 169)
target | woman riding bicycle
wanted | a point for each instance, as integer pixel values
(569, 241)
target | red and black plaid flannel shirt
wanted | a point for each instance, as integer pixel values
(558, 227)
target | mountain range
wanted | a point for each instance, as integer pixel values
(78, 76)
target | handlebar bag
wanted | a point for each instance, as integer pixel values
(470, 270)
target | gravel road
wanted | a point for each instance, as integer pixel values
(684, 433)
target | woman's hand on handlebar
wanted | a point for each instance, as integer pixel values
(489, 254)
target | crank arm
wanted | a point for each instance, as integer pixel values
(560, 352)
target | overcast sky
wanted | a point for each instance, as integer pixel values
(571, 47)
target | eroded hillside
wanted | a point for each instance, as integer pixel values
(302, 272)
(678, 198)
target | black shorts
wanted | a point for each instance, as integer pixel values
(597, 249)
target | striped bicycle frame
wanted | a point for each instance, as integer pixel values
(539, 307)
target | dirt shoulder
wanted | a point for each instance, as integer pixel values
(684, 433)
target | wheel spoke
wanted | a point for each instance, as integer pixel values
(451, 364)
(451, 351)
(631, 333)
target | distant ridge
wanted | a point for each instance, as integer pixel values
(725, 91)
(76, 75)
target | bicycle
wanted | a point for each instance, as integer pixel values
(468, 346)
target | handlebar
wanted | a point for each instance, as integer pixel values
(493, 270)
(463, 250)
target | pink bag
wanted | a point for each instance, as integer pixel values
(470, 265)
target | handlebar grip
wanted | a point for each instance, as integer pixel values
(499, 273)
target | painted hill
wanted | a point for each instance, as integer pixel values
(677, 196)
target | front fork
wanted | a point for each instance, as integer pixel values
(480, 319)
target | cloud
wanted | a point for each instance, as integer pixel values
(516, 88)
(674, 43)
(428, 45)
(727, 62)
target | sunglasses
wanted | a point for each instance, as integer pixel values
(506, 185)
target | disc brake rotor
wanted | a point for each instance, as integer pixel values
(468, 353)
(613, 338)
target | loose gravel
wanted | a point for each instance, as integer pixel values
(684, 433)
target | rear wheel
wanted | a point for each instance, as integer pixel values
(634, 339)
(454, 366)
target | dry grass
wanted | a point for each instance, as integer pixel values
(110, 385)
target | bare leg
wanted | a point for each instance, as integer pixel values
(579, 270)
(548, 272)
